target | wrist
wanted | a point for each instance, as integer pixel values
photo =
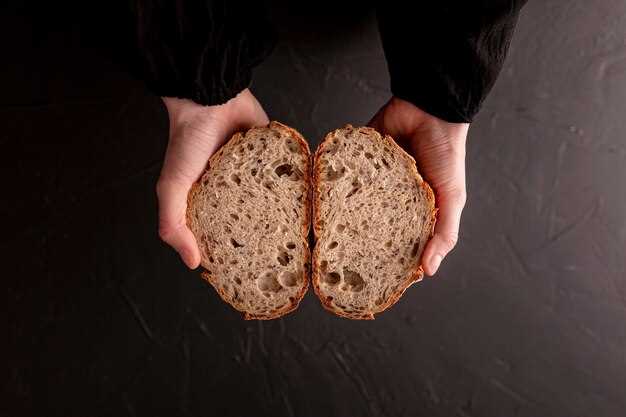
(418, 121)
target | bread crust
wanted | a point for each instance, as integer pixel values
(196, 187)
(412, 277)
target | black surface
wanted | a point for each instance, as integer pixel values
(526, 317)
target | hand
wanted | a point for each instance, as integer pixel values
(439, 150)
(196, 132)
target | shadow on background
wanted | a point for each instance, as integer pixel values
(525, 319)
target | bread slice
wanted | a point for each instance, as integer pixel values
(250, 214)
(372, 217)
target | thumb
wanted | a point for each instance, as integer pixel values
(173, 229)
(446, 231)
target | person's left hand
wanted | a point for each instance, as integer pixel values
(439, 150)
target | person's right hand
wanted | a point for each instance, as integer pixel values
(196, 132)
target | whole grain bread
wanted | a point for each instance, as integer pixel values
(250, 215)
(372, 217)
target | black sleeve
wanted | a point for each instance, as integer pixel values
(198, 49)
(445, 56)
(204, 50)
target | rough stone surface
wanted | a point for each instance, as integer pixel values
(525, 319)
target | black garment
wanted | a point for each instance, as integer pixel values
(443, 57)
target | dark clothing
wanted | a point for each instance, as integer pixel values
(444, 57)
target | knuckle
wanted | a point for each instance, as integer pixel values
(163, 185)
(167, 230)
(451, 240)
(459, 197)
(165, 233)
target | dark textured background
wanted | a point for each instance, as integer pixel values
(526, 318)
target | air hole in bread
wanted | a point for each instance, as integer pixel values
(416, 247)
(221, 184)
(234, 216)
(331, 278)
(288, 279)
(353, 280)
(292, 146)
(253, 172)
(283, 258)
(333, 245)
(378, 301)
(268, 283)
(324, 266)
(237, 280)
(268, 185)
(352, 192)
(332, 174)
(356, 186)
(388, 244)
(284, 170)
(290, 245)
(385, 163)
(235, 178)
(235, 243)
(340, 228)
(211, 259)
(401, 260)
(368, 155)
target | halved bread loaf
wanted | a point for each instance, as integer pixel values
(250, 214)
(372, 217)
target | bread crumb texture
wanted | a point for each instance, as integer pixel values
(373, 215)
(249, 213)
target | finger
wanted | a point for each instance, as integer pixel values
(173, 230)
(378, 122)
(446, 231)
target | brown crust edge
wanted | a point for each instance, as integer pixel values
(274, 125)
(414, 276)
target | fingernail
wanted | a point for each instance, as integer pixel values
(436, 261)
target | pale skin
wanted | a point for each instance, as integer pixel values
(196, 132)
